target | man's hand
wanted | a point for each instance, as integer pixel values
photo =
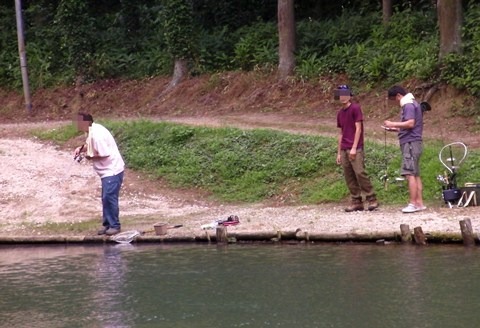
(353, 154)
(339, 159)
(389, 126)
(77, 151)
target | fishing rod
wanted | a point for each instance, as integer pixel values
(385, 174)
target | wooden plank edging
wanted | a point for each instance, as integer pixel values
(246, 236)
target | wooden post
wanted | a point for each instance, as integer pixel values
(222, 235)
(23, 56)
(467, 232)
(419, 236)
(406, 234)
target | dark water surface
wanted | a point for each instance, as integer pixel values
(239, 286)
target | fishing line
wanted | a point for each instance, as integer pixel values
(385, 175)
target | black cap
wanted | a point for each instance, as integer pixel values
(393, 91)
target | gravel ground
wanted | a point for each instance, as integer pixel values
(41, 184)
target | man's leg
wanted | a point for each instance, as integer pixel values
(419, 196)
(411, 153)
(350, 177)
(352, 184)
(412, 189)
(415, 188)
(361, 176)
(110, 192)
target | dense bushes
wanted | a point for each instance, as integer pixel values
(134, 40)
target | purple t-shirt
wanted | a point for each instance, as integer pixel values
(411, 111)
(346, 119)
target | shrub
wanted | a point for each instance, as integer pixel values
(462, 70)
(405, 48)
(216, 49)
(257, 46)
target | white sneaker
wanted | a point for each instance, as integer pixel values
(410, 209)
(421, 208)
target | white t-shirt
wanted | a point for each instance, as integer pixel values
(100, 142)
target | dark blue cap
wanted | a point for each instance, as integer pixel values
(344, 90)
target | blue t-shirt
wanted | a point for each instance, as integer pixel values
(411, 111)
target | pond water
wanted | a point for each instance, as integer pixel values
(239, 286)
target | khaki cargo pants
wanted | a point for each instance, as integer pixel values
(356, 178)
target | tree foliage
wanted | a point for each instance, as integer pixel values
(135, 39)
(75, 28)
(177, 18)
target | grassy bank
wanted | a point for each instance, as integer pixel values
(237, 165)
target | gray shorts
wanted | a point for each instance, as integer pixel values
(411, 152)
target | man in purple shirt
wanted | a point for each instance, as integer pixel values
(410, 131)
(350, 151)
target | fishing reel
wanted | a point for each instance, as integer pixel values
(384, 178)
(443, 179)
(398, 181)
(78, 158)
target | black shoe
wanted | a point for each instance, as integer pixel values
(102, 231)
(112, 231)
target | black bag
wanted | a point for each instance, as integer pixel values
(450, 195)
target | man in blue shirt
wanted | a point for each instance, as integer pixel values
(410, 130)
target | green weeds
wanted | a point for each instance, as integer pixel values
(250, 166)
(60, 135)
(236, 165)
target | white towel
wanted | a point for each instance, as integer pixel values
(89, 142)
(407, 99)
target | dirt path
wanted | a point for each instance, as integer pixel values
(40, 184)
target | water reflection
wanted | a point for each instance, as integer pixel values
(109, 294)
(239, 286)
(62, 287)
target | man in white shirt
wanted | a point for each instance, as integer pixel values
(101, 148)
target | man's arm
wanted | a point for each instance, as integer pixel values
(97, 147)
(408, 124)
(356, 140)
(339, 150)
(358, 133)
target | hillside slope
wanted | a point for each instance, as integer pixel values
(244, 99)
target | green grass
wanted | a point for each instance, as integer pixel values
(58, 228)
(237, 165)
(55, 228)
(60, 135)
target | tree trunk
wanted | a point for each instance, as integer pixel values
(180, 70)
(286, 34)
(450, 15)
(386, 11)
